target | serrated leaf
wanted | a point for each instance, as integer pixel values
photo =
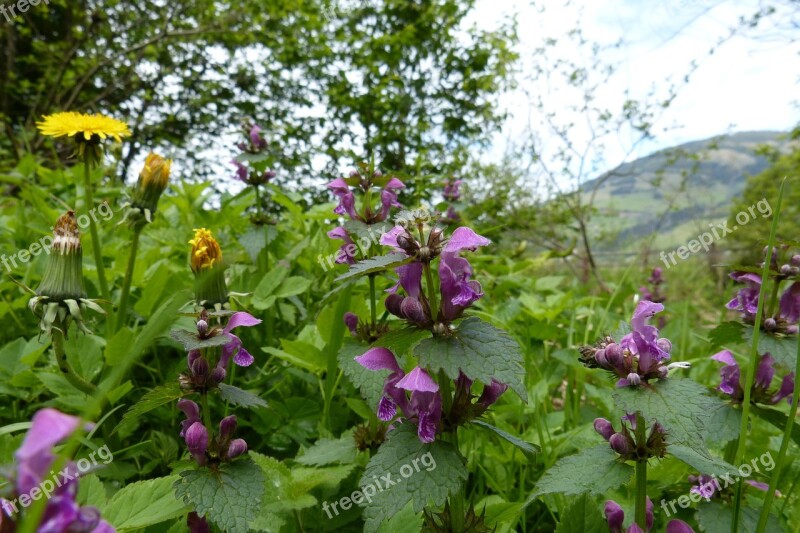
(726, 333)
(161, 395)
(91, 492)
(530, 450)
(143, 504)
(725, 426)
(783, 349)
(375, 264)
(594, 470)
(368, 382)
(681, 405)
(330, 451)
(702, 461)
(362, 233)
(402, 341)
(422, 485)
(240, 397)
(716, 517)
(191, 341)
(582, 515)
(479, 350)
(229, 496)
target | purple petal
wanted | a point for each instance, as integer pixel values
(339, 187)
(725, 356)
(615, 516)
(765, 372)
(189, 408)
(340, 233)
(418, 380)
(394, 184)
(411, 278)
(390, 237)
(386, 409)
(243, 357)
(790, 303)
(464, 238)
(241, 319)
(644, 311)
(491, 393)
(49, 427)
(378, 359)
(786, 390)
(678, 526)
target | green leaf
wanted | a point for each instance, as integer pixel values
(777, 419)
(229, 495)
(701, 461)
(594, 470)
(375, 264)
(681, 405)
(716, 517)
(292, 286)
(143, 504)
(725, 425)
(726, 334)
(330, 451)
(530, 450)
(266, 287)
(240, 397)
(368, 382)
(191, 341)
(406, 470)
(402, 341)
(583, 515)
(91, 492)
(479, 350)
(783, 349)
(157, 397)
(281, 495)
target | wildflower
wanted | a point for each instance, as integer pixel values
(227, 447)
(257, 141)
(347, 200)
(196, 438)
(344, 256)
(192, 412)
(206, 263)
(458, 290)
(704, 485)
(150, 186)
(615, 517)
(89, 132)
(451, 190)
(765, 373)
(61, 294)
(35, 460)
(389, 197)
(240, 355)
(746, 300)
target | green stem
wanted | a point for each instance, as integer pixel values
(787, 436)
(432, 300)
(748, 383)
(96, 249)
(206, 411)
(126, 285)
(373, 312)
(66, 369)
(641, 474)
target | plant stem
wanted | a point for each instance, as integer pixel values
(457, 504)
(96, 250)
(432, 300)
(641, 474)
(66, 369)
(373, 312)
(787, 436)
(126, 285)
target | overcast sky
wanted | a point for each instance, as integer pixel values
(747, 84)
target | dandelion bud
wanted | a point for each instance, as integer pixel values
(150, 186)
(209, 274)
(603, 427)
(620, 444)
(236, 448)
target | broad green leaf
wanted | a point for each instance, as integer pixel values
(406, 470)
(583, 515)
(681, 405)
(91, 492)
(240, 397)
(368, 382)
(777, 419)
(330, 451)
(143, 504)
(403, 341)
(268, 285)
(726, 334)
(530, 450)
(375, 264)
(783, 349)
(157, 397)
(191, 341)
(717, 517)
(595, 470)
(702, 461)
(405, 521)
(479, 350)
(230, 495)
(308, 363)
(725, 425)
(292, 286)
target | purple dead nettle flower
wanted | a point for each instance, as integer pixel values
(35, 459)
(615, 517)
(709, 487)
(451, 192)
(623, 441)
(425, 404)
(343, 256)
(746, 302)
(641, 355)
(256, 139)
(760, 393)
(240, 356)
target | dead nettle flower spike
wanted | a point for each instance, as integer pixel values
(145, 194)
(210, 289)
(61, 296)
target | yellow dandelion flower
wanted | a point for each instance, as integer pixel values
(155, 173)
(70, 124)
(205, 250)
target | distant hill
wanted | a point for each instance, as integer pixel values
(675, 193)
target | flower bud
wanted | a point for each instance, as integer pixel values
(664, 344)
(663, 372)
(209, 274)
(394, 303)
(218, 374)
(148, 190)
(63, 276)
(407, 244)
(786, 270)
(620, 443)
(603, 427)
(770, 324)
(791, 330)
(795, 260)
(189, 408)
(87, 520)
(236, 448)
(192, 356)
(615, 516)
(197, 441)
(600, 357)
(227, 426)
(200, 367)
(614, 356)
(202, 327)
(634, 379)
(412, 309)
(351, 321)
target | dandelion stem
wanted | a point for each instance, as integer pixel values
(66, 369)
(126, 285)
(96, 250)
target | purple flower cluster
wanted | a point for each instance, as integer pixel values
(652, 292)
(641, 355)
(615, 517)
(451, 194)
(34, 460)
(765, 373)
(256, 144)
(457, 288)
(195, 434)
(623, 441)
(416, 394)
(785, 318)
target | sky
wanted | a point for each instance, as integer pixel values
(749, 83)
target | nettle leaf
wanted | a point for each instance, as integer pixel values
(161, 395)
(681, 405)
(701, 461)
(368, 382)
(229, 496)
(402, 341)
(143, 504)
(376, 264)
(783, 349)
(362, 233)
(479, 350)
(716, 517)
(282, 494)
(594, 470)
(726, 334)
(582, 515)
(530, 450)
(191, 341)
(777, 419)
(399, 474)
(240, 397)
(725, 426)
(330, 451)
